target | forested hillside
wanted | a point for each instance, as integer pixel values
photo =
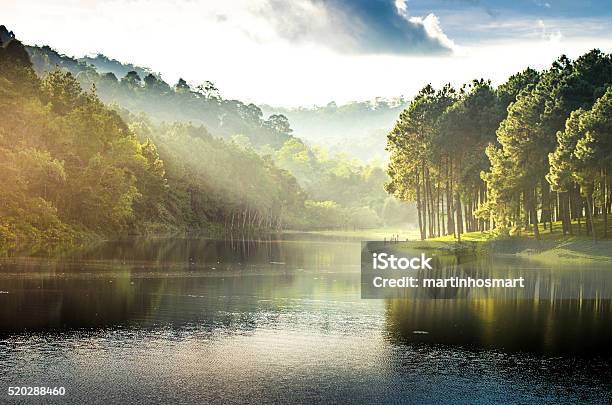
(70, 167)
(346, 182)
(140, 90)
(329, 178)
(535, 150)
(73, 167)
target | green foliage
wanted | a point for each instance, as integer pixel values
(563, 161)
(503, 153)
(469, 124)
(215, 181)
(140, 90)
(584, 152)
(508, 92)
(418, 151)
(68, 163)
(533, 154)
(70, 166)
(339, 179)
(331, 215)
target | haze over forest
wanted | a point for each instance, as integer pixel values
(306, 52)
(340, 87)
(193, 162)
(194, 154)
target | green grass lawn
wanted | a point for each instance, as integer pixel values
(407, 233)
(545, 234)
(551, 246)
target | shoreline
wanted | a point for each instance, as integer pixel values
(569, 248)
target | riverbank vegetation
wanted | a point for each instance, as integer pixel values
(71, 166)
(74, 167)
(550, 248)
(342, 192)
(513, 159)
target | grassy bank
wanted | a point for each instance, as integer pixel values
(552, 244)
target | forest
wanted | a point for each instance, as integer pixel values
(84, 154)
(140, 90)
(518, 158)
(93, 147)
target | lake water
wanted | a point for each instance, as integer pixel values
(194, 320)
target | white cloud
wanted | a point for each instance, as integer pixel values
(352, 28)
(431, 24)
(554, 36)
(402, 7)
(232, 44)
(432, 27)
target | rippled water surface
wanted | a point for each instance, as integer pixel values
(193, 320)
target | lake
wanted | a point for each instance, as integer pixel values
(282, 320)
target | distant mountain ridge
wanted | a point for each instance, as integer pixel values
(138, 89)
(104, 64)
(358, 129)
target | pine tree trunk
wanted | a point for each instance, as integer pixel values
(466, 210)
(450, 224)
(430, 204)
(589, 211)
(526, 208)
(604, 189)
(546, 214)
(430, 200)
(442, 214)
(426, 219)
(563, 201)
(560, 212)
(459, 225)
(534, 214)
(567, 214)
(438, 202)
(419, 209)
(459, 216)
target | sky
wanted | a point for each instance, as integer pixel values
(310, 52)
